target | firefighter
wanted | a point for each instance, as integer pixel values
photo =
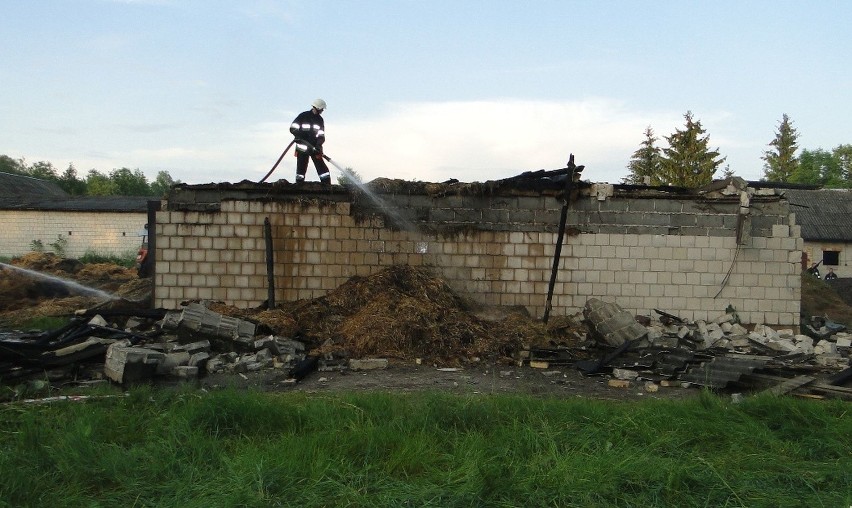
(309, 130)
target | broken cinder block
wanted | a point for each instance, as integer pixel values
(128, 364)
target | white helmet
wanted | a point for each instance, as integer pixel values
(319, 104)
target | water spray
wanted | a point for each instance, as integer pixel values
(400, 221)
(79, 288)
(404, 224)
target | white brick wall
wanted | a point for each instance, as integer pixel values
(109, 233)
(678, 274)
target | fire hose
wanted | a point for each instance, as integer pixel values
(311, 150)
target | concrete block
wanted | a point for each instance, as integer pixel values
(199, 359)
(739, 341)
(613, 323)
(844, 342)
(196, 347)
(738, 329)
(825, 347)
(831, 360)
(781, 230)
(172, 360)
(618, 383)
(757, 337)
(127, 364)
(624, 374)
(98, 320)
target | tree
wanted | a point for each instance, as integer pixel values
(13, 166)
(843, 154)
(43, 170)
(688, 162)
(819, 167)
(69, 182)
(130, 183)
(98, 184)
(645, 162)
(349, 177)
(781, 162)
(161, 185)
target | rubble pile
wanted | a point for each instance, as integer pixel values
(722, 353)
(404, 314)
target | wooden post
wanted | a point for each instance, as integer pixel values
(562, 219)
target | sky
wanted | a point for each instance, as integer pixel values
(424, 90)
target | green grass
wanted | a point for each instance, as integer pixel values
(231, 448)
(127, 260)
(43, 323)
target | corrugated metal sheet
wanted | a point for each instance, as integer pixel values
(20, 188)
(27, 193)
(823, 214)
(720, 371)
(80, 204)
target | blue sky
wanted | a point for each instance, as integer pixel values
(418, 90)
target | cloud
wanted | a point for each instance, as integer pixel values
(487, 140)
(425, 141)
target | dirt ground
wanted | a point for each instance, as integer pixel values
(434, 340)
(473, 380)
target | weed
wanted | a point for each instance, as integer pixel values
(43, 323)
(59, 246)
(127, 260)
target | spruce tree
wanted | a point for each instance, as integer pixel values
(645, 162)
(688, 162)
(781, 163)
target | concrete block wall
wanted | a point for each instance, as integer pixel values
(814, 252)
(676, 255)
(109, 233)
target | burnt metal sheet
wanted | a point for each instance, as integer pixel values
(720, 371)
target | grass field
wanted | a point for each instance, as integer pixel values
(186, 448)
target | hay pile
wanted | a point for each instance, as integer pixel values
(400, 312)
(24, 296)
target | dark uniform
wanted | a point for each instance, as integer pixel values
(309, 130)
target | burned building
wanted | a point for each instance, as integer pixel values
(691, 252)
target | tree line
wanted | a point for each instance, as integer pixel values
(118, 182)
(688, 160)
